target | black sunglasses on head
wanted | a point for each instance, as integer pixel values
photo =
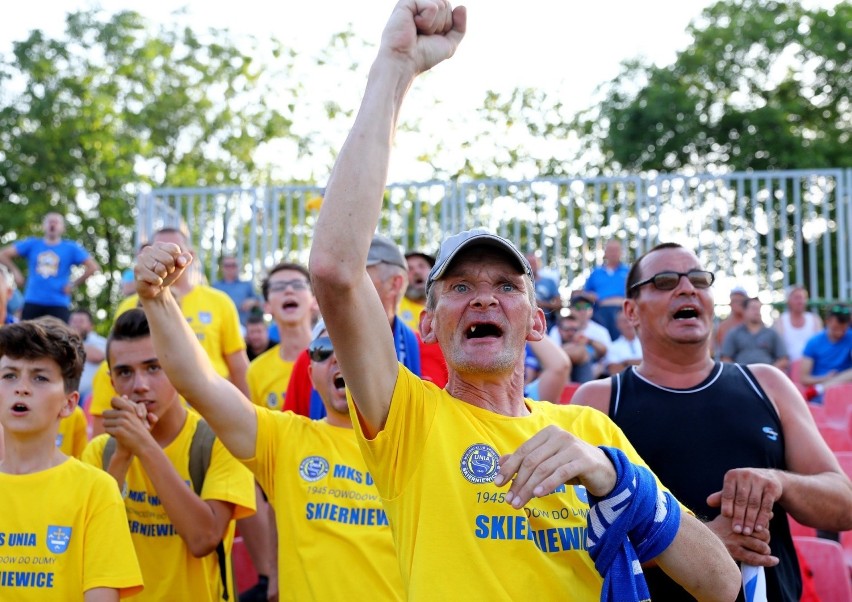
(666, 281)
(320, 349)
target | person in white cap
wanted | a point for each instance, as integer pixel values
(441, 457)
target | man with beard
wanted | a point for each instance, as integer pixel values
(734, 443)
(412, 303)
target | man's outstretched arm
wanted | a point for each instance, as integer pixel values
(231, 416)
(418, 35)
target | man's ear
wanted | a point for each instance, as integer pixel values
(539, 326)
(631, 312)
(427, 332)
(71, 401)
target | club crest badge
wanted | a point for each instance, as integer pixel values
(313, 468)
(480, 463)
(58, 538)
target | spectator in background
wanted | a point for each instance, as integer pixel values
(626, 350)
(752, 342)
(605, 287)
(94, 344)
(797, 325)
(576, 347)
(412, 303)
(547, 369)
(827, 358)
(7, 283)
(241, 292)
(257, 335)
(596, 337)
(49, 260)
(738, 297)
(546, 291)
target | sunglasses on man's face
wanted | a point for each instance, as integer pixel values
(666, 281)
(320, 349)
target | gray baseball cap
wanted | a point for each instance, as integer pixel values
(384, 250)
(457, 243)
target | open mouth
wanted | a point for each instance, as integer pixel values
(339, 383)
(290, 305)
(20, 407)
(483, 330)
(686, 313)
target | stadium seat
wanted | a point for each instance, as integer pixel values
(244, 572)
(837, 438)
(825, 558)
(568, 393)
(818, 412)
(837, 400)
(846, 543)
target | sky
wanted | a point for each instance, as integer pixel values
(567, 47)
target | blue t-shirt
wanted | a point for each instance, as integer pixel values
(828, 356)
(49, 269)
(238, 291)
(606, 283)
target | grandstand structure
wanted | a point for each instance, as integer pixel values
(761, 230)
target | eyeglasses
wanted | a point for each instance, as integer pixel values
(666, 281)
(282, 285)
(320, 349)
(581, 305)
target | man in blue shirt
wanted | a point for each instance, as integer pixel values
(606, 286)
(827, 358)
(240, 291)
(49, 260)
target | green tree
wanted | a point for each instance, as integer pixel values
(114, 107)
(763, 85)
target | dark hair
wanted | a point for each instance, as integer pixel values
(169, 230)
(46, 337)
(264, 286)
(129, 326)
(255, 317)
(749, 301)
(83, 310)
(633, 276)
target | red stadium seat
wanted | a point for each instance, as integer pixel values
(837, 400)
(825, 558)
(818, 412)
(845, 459)
(568, 393)
(846, 542)
(837, 438)
(244, 573)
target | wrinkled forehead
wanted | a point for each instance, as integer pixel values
(669, 260)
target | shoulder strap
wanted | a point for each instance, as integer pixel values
(109, 450)
(200, 450)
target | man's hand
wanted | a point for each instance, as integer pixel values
(747, 497)
(752, 549)
(425, 32)
(554, 457)
(157, 266)
(130, 423)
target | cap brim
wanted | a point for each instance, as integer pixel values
(484, 240)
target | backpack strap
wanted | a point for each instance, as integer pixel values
(109, 451)
(200, 450)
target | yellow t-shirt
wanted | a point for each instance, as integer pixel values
(72, 437)
(213, 318)
(63, 531)
(171, 572)
(102, 391)
(409, 311)
(268, 376)
(334, 542)
(434, 465)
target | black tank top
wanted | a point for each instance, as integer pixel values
(691, 437)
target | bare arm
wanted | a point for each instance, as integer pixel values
(237, 367)
(90, 266)
(805, 375)
(225, 408)
(7, 254)
(101, 594)
(418, 35)
(555, 369)
(813, 489)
